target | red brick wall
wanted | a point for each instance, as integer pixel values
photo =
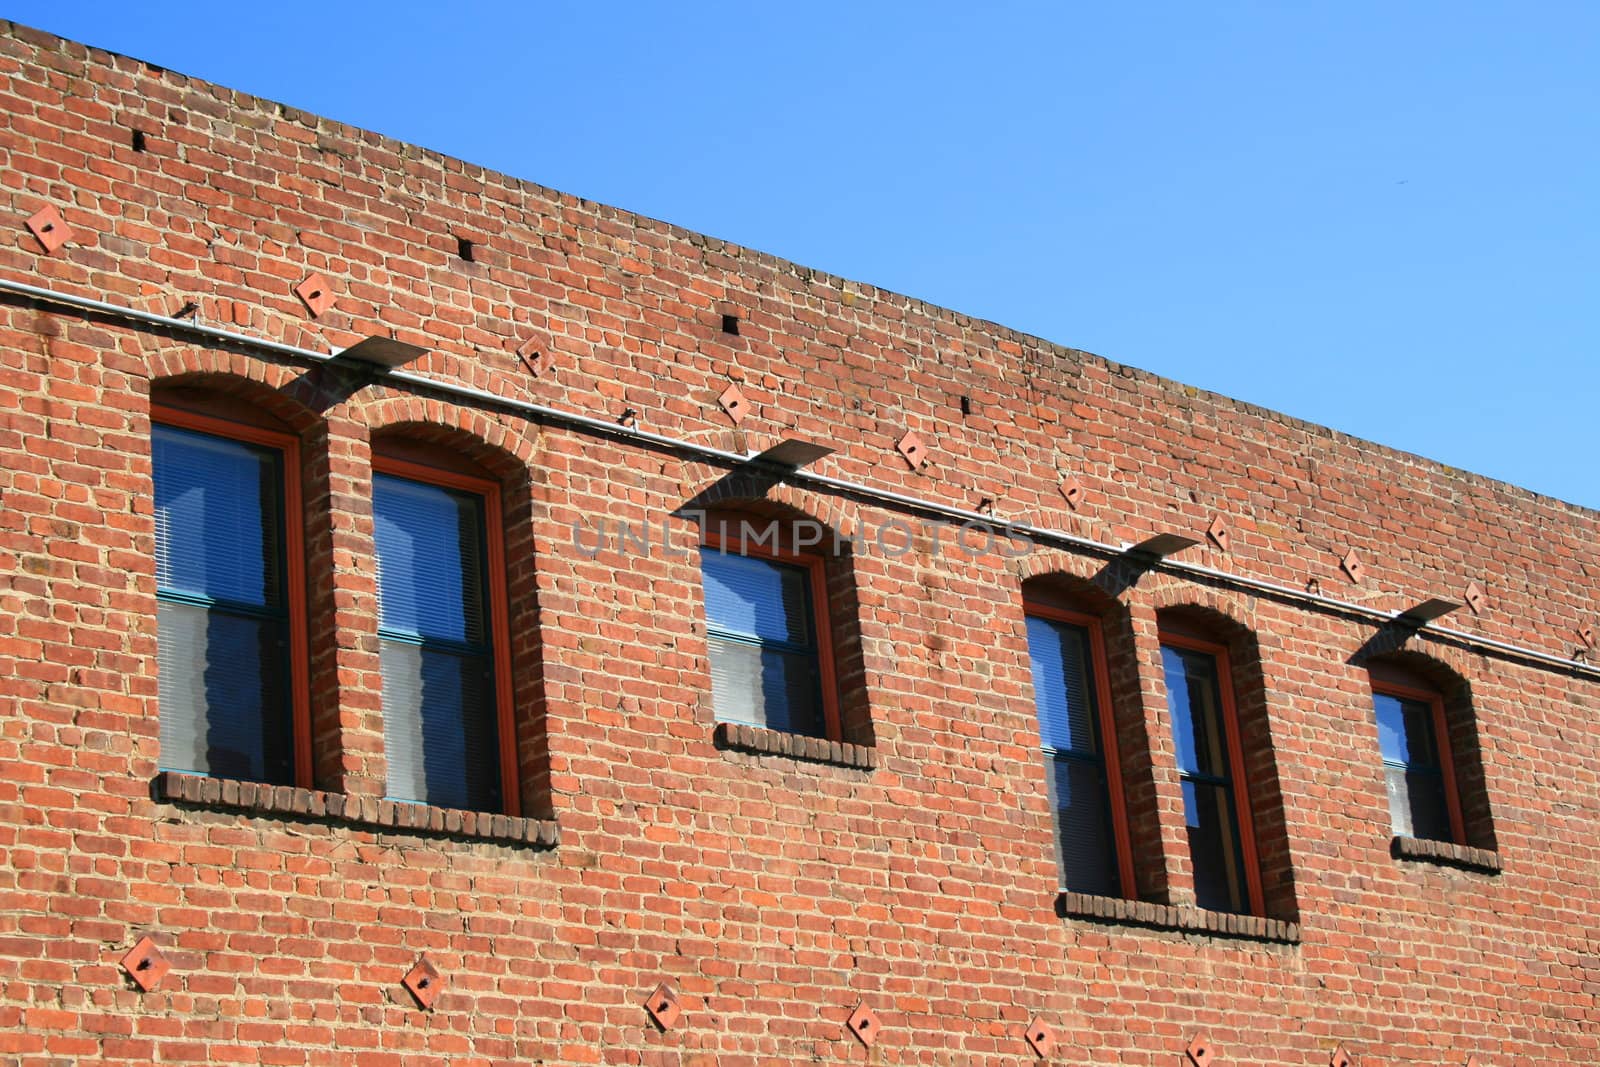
(773, 893)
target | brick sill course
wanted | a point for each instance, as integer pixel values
(796, 746)
(258, 798)
(1174, 917)
(1446, 852)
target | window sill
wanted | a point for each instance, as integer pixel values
(796, 746)
(1115, 910)
(1447, 853)
(257, 798)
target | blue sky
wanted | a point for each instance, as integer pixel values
(1380, 217)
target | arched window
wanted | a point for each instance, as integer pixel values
(443, 631)
(768, 633)
(1198, 668)
(1414, 741)
(1077, 731)
(234, 691)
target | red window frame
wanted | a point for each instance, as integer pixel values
(1241, 789)
(817, 573)
(1106, 717)
(497, 593)
(294, 560)
(1441, 740)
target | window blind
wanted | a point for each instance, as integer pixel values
(761, 640)
(221, 621)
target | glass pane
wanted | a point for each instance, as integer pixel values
(1405, 731)
(1063, 685)
(223, 694)
(1196, 707)
(1417, 805)
(765, 687)
(1214, 847)
(757, 597)
(218, 528)
(1085, 854)
(440, 733)
(1391, 726)
(429, 544)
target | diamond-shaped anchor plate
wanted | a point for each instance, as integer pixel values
(1475, 598)
(1200, 1052)
(1218, 532)
(663, 1006)
(1073, 491)
(1340, 1058)
(1040, 1039)
(911, 447)
(145, 964)
(734, 404)
(1352, 566)
(49, 227)
(424, 981)
(1586, 634)
(864, 1024)
(316, 294)
(531, 357)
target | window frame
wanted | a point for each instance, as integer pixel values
(1441, 740)
(1239, 785)
(497, 592)
(288, 445)
(1105, 716)
(815, 566)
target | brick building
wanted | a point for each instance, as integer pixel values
(479, 737)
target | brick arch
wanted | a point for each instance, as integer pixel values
(1070, 585)
(1431, 670)
(1231, 616)
(228, 374)
(467, 431)
(1109, 578)
(1046, 562)
(1449, 663)
(719, 487)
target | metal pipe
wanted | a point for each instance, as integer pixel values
(934, 507)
